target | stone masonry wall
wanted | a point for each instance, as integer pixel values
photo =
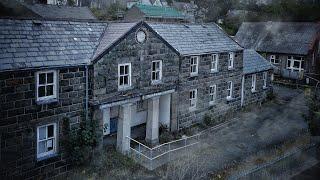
(20, 115)
(202, 82)
(261, 93)
(105, 83)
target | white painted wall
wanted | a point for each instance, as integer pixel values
(164, 116)
(138, 117)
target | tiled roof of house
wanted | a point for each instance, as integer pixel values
(253, 62)
(193, 39)
(278, 37)
(158, 11)
(33, 44)
(113, 32)
(61, 12)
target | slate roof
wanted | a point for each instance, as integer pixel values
(61, 12)
(194, 39)
(113, 32)
(28, 44)
(159, 11)
(253, 62)
(278, 37)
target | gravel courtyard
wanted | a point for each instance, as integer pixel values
(257, 129)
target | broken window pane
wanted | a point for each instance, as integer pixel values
(50, 131)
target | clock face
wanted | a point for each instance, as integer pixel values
(141, 36)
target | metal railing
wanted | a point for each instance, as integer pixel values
(151, 158)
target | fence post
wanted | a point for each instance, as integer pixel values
(151, 159)
(169, 152)
(140, 153)
(185, 145)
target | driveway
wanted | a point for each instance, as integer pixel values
(255, 130)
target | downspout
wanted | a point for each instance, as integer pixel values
(87, 93)
(242, 90)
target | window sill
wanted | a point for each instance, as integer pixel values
(47, 157)
(254, 91)
(264, 87)
(192, 109)
(230, 69)
(230, 99)
(193, 75)
(212, 103)
(214, 71)
(156, 82)
(46, 101)
(124, 88)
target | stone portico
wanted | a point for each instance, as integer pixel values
(157, 111)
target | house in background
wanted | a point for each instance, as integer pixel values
(189, 9)
(140, 12)
(292, 47)
(12, 8)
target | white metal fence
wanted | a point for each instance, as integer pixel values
(151, 158)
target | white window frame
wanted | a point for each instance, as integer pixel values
(254, 83)
(214, 62)
(229, 90)
(155, 71)
(54, 84)
(231, 60)
(290, 63)
(193, 95)
(194, 66)
(265, 78)
(122, 87)
(213, 94)
(54, 142)
(274, 60)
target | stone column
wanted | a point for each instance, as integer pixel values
(152, 131)
(124, 128)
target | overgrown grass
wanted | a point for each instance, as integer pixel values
(109, 164)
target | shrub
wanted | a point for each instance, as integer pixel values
(80, 142)
(270, 95)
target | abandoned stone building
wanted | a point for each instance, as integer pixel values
(122, 75)
(292, 47)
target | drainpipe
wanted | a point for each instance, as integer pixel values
(242, 91)
(87, 93)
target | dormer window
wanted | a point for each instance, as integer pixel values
(194, 61)
(214, 63)
(124, 76)
(46, 82)
(231, 60)
(274, 59)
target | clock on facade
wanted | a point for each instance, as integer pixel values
(141, 36)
